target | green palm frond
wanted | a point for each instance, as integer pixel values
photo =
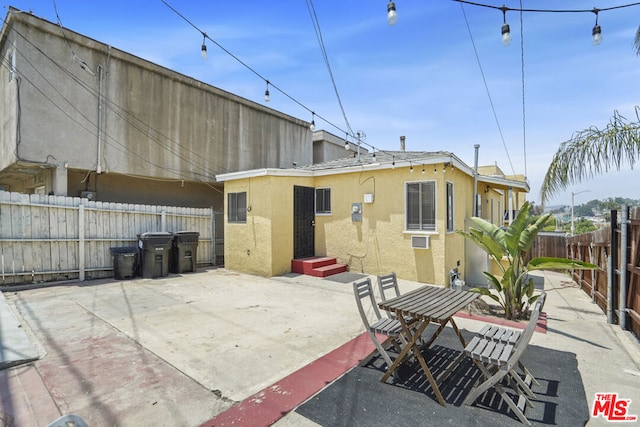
(592, 152)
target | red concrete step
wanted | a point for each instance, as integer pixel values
(306, 265)
(328, 270)
(317, 266)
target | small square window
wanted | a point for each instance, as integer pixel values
(237, 207)
(323, 201)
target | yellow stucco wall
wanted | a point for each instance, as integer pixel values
(378, 244)
(264, 244)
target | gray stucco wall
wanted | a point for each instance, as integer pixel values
(128, 116)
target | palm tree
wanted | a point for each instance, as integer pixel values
(594, 151)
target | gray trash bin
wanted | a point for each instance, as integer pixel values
(154, 254)
(125, 262)
(184, 251)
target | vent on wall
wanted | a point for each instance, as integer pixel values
(420, 242)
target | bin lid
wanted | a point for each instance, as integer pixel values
(154, 234)
(124, 250)
(183, 233)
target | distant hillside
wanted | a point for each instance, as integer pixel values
(595, 207)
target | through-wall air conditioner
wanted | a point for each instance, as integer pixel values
(420, 242)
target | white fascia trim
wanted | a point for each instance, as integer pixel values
(262, 172)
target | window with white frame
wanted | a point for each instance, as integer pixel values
(323, 201)
(237, 207)
(421, 206)
(450, 206)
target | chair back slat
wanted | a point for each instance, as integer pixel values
(362, 289)
(388, 282)
(526, 335)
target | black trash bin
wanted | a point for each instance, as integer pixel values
(184, 251)
(125, 262)
(154, 254)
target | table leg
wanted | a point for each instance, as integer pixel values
(412, 341)
(411, 346)
(443, 376)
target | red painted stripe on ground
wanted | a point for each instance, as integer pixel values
(272, 403)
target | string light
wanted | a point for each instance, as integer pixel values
(203, 50)
(423, 169)
(506, 31)
(312, 126)
(393, 163)
(266, 93)
(596, 33)
(240, 61)
(410, 167)
(346, 141)
(392, 15)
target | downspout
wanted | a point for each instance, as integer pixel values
(475, 181)
(99, 130)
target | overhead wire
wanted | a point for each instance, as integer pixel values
(521, 9)
(524, 121)
(486, 87)
(325, 56)
(271, 84)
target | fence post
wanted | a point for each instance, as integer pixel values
(613, 265)
(624, 261)
(213, 237)
(81, 266)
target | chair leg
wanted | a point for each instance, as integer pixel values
(494, 381)
(381, 349)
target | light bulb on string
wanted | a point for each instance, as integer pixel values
(266, 93)
(505, 30)
(392, 15)
(312, 126)
(203, 50)
(596, 33)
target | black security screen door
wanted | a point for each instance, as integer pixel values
(303, 222)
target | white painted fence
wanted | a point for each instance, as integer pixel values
(53, 238)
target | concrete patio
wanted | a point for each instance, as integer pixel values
(185, 349)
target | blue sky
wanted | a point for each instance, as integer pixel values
(419, 78)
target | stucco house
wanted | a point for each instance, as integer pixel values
(377, 213)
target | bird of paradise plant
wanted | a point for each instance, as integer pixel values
(509, 247)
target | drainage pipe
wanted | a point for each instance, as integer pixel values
(475, 181)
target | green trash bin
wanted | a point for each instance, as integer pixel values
(125, 262)
(184, 252)
(154, 254)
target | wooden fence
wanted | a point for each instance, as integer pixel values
(615, 287)
(53, 238)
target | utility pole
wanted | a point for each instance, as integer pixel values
(572, 202)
